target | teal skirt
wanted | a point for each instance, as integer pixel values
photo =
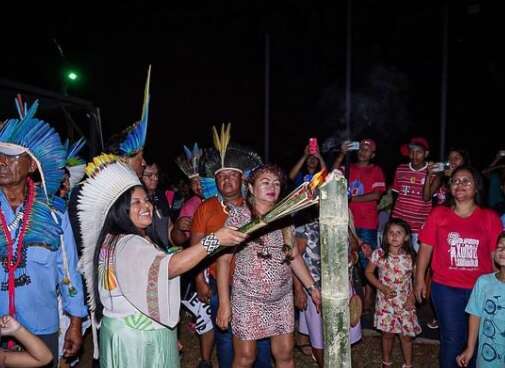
(122, 346)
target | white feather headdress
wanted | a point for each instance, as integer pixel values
(108, 178)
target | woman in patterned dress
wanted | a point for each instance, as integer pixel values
(262, 292)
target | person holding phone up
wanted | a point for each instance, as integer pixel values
(313, 161)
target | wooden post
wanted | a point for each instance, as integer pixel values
(333, 221)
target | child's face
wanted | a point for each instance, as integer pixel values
(396, 236)
(417, 156)
(499, 256)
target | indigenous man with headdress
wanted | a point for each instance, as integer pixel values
(37, 249)
(227, 164)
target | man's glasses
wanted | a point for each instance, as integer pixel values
(461, 181)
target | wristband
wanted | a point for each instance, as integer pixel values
(311, 288)
(210, 243)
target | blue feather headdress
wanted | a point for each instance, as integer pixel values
(40, 141)
(136, 135)
(74, 164)
(189, 163)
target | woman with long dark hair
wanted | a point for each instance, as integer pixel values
(460, 238)
(261, 304)
(133, 284)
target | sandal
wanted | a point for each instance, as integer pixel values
(433, 324)
(407, 365)
(387, 364)
(305, 349)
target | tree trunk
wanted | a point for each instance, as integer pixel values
(333, 220)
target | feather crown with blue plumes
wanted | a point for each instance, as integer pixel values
(135, 136)
(38, 139)
(75, 164)
(189, 163)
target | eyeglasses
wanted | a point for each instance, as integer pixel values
(151, 176)
(461, 181)
(11, 158)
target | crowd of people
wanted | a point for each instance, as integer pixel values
(144, 250)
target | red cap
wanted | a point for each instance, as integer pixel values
(370, 142)
(415, 141)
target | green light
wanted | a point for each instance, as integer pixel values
(72, 76)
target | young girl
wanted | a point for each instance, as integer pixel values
(486, 323)
(394, 310)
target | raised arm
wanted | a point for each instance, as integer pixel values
(190, 257)
(298, 166)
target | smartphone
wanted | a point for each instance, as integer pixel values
(441, 166)
(353, 146)
(313, 148)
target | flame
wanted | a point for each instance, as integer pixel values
(318, 179)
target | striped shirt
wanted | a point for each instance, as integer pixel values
(410, 206)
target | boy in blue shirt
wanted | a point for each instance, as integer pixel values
(487, 316)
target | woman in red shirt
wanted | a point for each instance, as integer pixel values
(461, 239)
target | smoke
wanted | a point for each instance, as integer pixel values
(380, 108)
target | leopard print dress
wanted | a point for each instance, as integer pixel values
(262, 289)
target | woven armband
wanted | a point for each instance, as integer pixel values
(210, 243)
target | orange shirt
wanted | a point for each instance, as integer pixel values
(208, 218)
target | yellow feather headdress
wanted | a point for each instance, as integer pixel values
(221, 142)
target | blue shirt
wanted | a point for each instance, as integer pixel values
(488, 303)
(36, 302)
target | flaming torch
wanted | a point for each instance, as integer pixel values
(305, 195)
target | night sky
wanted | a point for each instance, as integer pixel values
(208, 68)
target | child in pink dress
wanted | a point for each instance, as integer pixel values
(395, 311)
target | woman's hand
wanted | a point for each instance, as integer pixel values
(464, 358)
(9, 326)
(420, 290)
(315, 294)
(183, 224)
(229, 236)
(387, 291)
(306, 152)
(223, 317)
(300, 299)
(344, 147)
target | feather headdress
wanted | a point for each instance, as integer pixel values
(40, 141)
(108, 178)
(228, 156)
(221, 143)
(237, 158)
(135, 138)
(189, 163)
(74, 164)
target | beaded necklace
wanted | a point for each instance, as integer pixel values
(11, 264)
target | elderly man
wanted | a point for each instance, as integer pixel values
(37, 249)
